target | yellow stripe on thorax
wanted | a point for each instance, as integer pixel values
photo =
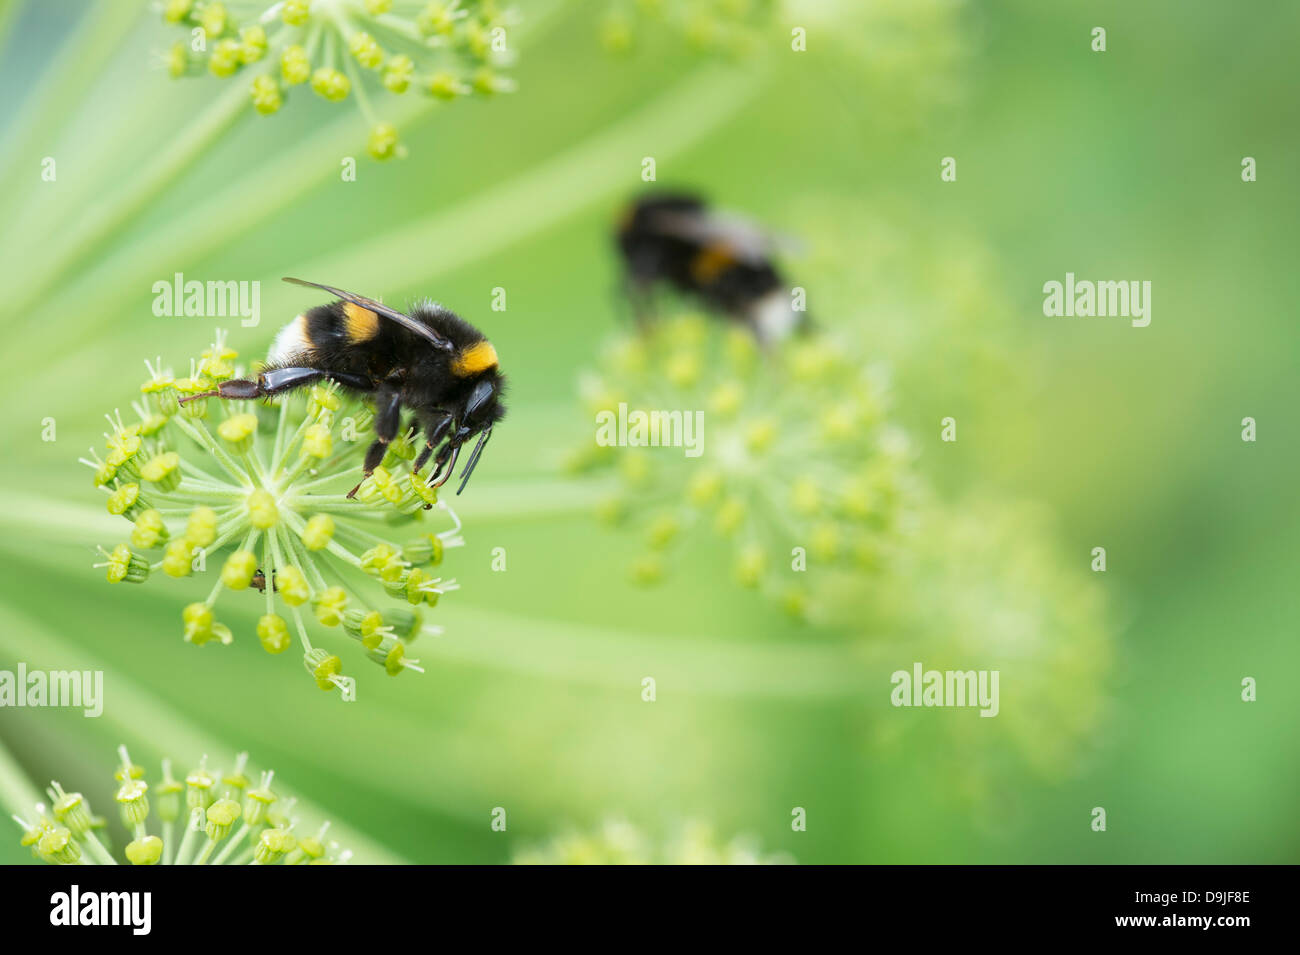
(473, 359)
(361, 324)
(710, 262)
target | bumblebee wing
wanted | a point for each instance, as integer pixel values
(406, 321)
(747, 242)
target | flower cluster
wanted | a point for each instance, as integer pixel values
(984, 586)
(443, 48)
(797, 464)
(226, 819)
(618, 842)
(728, 27)
(257, 491)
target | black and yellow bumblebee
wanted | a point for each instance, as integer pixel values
(432, 363)
(724, 261)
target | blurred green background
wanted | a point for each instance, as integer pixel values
(1123, 164)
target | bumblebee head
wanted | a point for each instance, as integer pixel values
(483, 409)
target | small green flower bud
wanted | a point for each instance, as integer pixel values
(436, 17)
(273, 631)
(198, 619)
(318, 532)
(295, 67)
(727, 399)
(383, 561)
(146, 851)
(648, 569)
(168, 794)
(805, 496)
(293, 585)
(201, 527)
(704, 488)
(152, 424)
(57, 845)
(366, 50)
(795, 602)
(128, 771)
(825, 541)
(178, 558)
(105, 473)
(125, 566)
(426, 549)
(221, 817)
(213, 19)
(126, 500)
(391, 654)
(398, 72)
(262, 510)
(330, 84)
(199, 789)
(488, 82)
(272, 844)
(258, 802)
(71, 810)
(252, 43)
(423, 491)
(663, 530)
(317, 442)
(730, 516)
(237, 573)
(329, 605)
(295, 12)
(134, 802)
(383, 142)
(235, 782)
(322, 398)
(477, 39)
(239, 430)
(149, 531)
(163, 470)
(174, 11)
(323, 667)
(366, 626)
(750, 565)
(191, 386)
(226, 58)
(760, 435)
(445, 86)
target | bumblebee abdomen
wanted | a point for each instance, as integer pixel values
(338, 334)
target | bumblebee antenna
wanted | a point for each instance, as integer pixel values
(473, 460)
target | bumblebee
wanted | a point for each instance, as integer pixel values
(431, 362)
(726, 262)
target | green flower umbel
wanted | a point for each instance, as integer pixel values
(253, 496)
(208, 818)
(620, 843)
(345, 49)
(728, 27)
(794, 462)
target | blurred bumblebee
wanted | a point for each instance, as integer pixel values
(723, 261)
(431, 363)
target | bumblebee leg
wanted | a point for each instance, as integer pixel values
(277, 381)
(432, 438)
(454, 445)
(388, 418)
